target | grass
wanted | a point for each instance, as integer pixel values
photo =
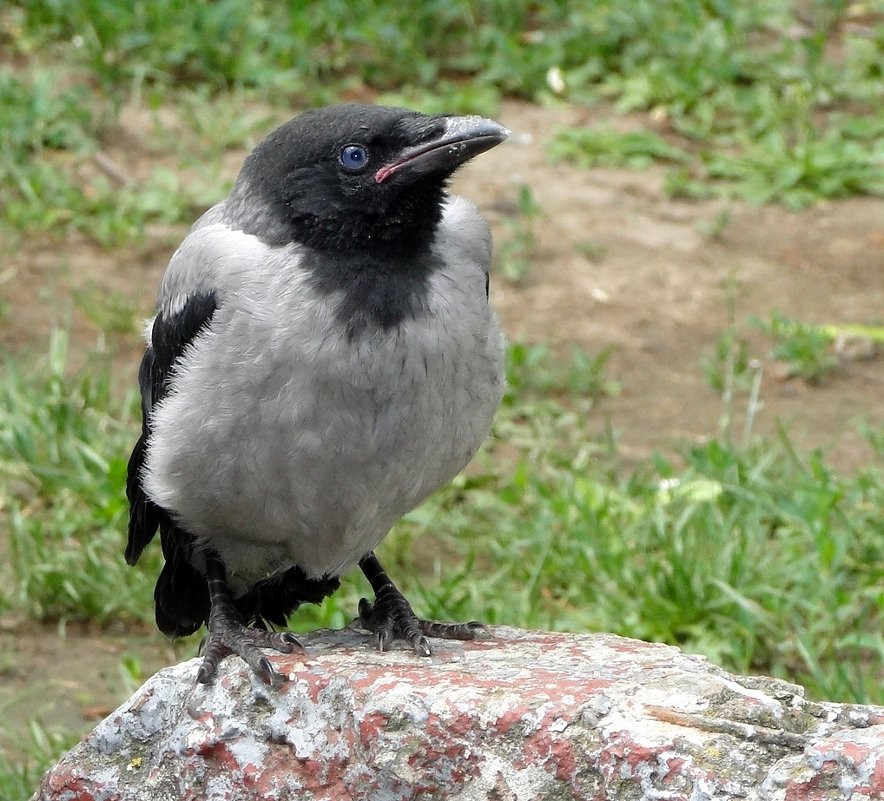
(606, 147)
(784, 120)
(517, 251)
(748, 100)
(805, 350)
(51, 178)
(63, 454)
(792, 159)
(19, 778)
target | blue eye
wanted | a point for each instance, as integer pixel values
(353, 157)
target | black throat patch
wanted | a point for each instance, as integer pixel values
(378, 292)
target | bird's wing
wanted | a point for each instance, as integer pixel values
(171, 333)
(181, 598)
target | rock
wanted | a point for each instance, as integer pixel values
(517, 716)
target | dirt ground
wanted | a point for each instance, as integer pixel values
(617, 264)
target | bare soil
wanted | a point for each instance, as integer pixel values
(617, 264)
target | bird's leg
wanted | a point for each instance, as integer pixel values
(228, 633)
(391, 616)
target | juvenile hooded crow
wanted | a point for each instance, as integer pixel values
(323, 357)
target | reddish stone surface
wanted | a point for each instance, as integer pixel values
(516, 717)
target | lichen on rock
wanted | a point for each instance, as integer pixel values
(516, 716)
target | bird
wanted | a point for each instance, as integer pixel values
(323, 356)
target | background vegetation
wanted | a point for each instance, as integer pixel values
(757, 555)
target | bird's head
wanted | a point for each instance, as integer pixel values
(356, 177)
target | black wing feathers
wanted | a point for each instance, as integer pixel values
(170, 336)
(182, 599)
(144, 515)
(181, 594)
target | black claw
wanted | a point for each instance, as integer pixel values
(423, 647)
(279, 643)
(268, 672)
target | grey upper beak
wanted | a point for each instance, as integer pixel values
(460, 139)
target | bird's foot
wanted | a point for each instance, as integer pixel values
(391, 617)
(229, 635)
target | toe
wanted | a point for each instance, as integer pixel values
(422, 646)
(385, 638)
(290, 639)
(452, 631)
(284, 642)
(260, 665)
(205, 673)
(366, 614)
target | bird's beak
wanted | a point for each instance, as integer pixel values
(460, 139)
